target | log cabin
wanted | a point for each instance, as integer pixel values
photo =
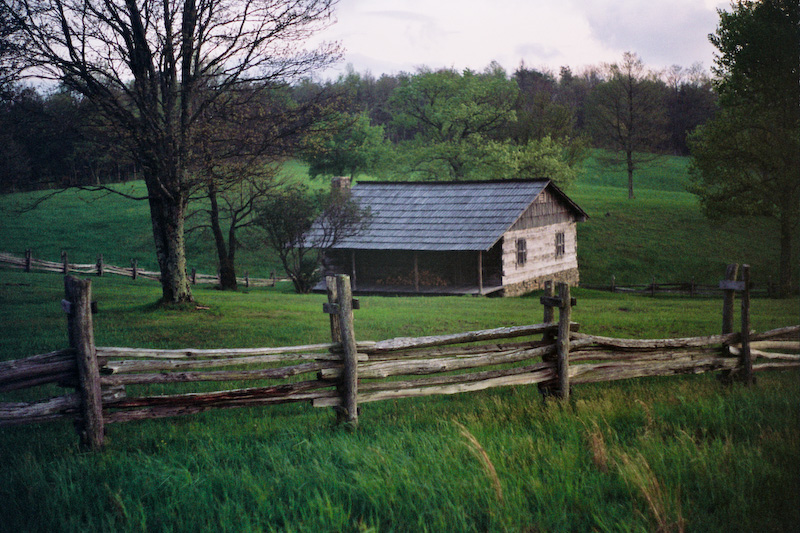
(501, 238)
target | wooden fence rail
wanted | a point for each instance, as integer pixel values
(344, 373)
(28, 263)
(688, 288)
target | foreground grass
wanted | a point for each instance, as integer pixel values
(641, 455)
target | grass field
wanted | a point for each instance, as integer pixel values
(627, 456)
(660, 454)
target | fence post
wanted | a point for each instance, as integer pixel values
(274, 278)
(247, 279)
(28, 259)
(134, 268)
(745, 360)
(653, 287)
(730, 297)
(77, 304)
(546, 387)
(99, 264)
(349, 354)
(562, 341)
(64, 263)
(613, 283)
(194, 276)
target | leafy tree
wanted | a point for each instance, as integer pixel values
(452, 122)
(745, 161)
(345, 146)
(155, 67)
(627, 115)
(287, 219)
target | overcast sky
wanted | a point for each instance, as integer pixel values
(390, 36)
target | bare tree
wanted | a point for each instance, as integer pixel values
(156, 67)
(627, 115)
(302, 226)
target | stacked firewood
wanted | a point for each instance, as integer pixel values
(427, 278)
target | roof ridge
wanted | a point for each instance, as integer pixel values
(451, 182)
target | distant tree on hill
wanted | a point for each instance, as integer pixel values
(745, 160)
(627, 115)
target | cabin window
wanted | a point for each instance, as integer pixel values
(522, 252)
(560, 246)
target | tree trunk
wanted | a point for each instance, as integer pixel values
(225, 253)
(167, 216)
(629, 158)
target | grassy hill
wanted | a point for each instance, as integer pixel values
(661, 233)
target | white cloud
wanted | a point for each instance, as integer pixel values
(394, 35)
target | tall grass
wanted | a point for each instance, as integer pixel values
(640, 455)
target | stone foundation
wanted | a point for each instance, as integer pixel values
(565, 276)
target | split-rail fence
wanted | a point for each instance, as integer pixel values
(28, 263)
(117, 384)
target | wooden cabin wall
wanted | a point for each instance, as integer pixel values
(541, 261)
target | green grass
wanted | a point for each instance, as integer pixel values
(665, 173)
(629, 456)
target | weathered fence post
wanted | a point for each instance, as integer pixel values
(247, 279)
(28, 259)
(349, 354)
(653, 287)
(64, 263)
(730, 297)
(613, 283)
(99, 264)
(274, 278)
(194, 276)
(549, 313)
(745, 360)
(546, 387)
(77, 304)
(562, 341)
(340, 308)
(134, 268)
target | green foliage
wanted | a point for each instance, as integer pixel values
(457, 126)
(745, 160)
(452, 121)
(346, 146)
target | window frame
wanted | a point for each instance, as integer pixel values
(561, 244)
(522, 251)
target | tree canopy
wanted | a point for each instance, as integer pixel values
(746, 159)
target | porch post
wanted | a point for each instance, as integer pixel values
(416, 271)
(353, 268)
(480, 272)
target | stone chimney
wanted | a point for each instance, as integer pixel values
(340, 184)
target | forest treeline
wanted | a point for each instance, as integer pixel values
(56, 138)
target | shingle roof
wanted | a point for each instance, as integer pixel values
(442, 215)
